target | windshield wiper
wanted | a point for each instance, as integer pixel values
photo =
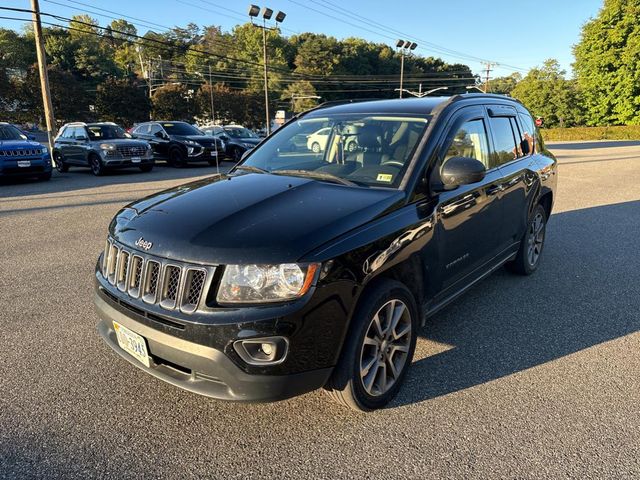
(319, 175)
(251, 168)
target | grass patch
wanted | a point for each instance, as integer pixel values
(625, 132)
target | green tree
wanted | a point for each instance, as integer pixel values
(548, 94)
(607, 64)
(68, 96)
(504, 85)
(302, 88)
(173, 102)
(122, 101)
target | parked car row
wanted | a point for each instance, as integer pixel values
(103, 146)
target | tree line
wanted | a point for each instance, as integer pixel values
(115, 73)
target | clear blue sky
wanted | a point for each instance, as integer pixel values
(510, 32)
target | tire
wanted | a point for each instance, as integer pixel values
(146, 168)
(354, 382)
(351, 147)
(176, 157)
(44, 176)
(531, 245)
(315, 147)
(97, 167)
(237, 155)
(59, 163)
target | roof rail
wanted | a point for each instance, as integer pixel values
(333, 103)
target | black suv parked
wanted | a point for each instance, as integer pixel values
(237, 139)
(300, 270)
(179, 143)
(99, 146)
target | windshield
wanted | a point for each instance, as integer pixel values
(365, 149)
(239, 132)
(180, 128)
(106, 132)
(9, 132)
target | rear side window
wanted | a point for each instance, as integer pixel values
(154, 128)
(528, 134)
(503, 141)
(470, 141)
(142, 129)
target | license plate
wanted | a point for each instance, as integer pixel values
(135, 159)
(132, 343)
(24, 163)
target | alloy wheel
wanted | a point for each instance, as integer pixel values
(385, 348)
(535, 239)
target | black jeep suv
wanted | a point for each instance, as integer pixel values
(179, 143)
(299, 269)
(99, 146)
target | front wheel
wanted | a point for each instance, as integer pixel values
(378, 350)
(315, 147)
(59, 163)
(530, 251)
(97, 167)
(176, 157)
(237, 155)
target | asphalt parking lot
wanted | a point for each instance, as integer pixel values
(532, 377)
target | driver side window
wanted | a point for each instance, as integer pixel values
(470, 141)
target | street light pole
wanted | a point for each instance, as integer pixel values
(266, 14)
(401, 70)
(211, 97)
(405, 47)
(266, 77)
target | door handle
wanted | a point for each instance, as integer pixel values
(495, 189)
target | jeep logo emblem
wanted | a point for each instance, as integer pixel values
(144, 244)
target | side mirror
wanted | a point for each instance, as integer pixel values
(224, 137)
(31, 137)
(462, 171)
(159, 135)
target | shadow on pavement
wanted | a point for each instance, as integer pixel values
(584, 293)
(590, 145)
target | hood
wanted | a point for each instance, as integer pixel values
(249, 218)
(203, 139)
(18, 144)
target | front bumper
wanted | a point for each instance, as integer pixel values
(200, 368)
(37, 166)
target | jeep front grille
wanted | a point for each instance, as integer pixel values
(154, 280)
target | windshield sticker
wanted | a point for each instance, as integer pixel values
(384, 177)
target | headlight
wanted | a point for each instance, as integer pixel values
(191, 143)
(107, 146)
(248, 145)
(45, 149)
(265, 283)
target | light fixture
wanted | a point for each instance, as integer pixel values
(266, 13)
(280, 16)
(400, 43)
(413, 46)
(254, 10)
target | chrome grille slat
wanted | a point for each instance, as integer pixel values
(154, 280)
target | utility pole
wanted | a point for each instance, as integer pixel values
(211, 96)
(44, 77)
(161, 72)
(487, 70)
